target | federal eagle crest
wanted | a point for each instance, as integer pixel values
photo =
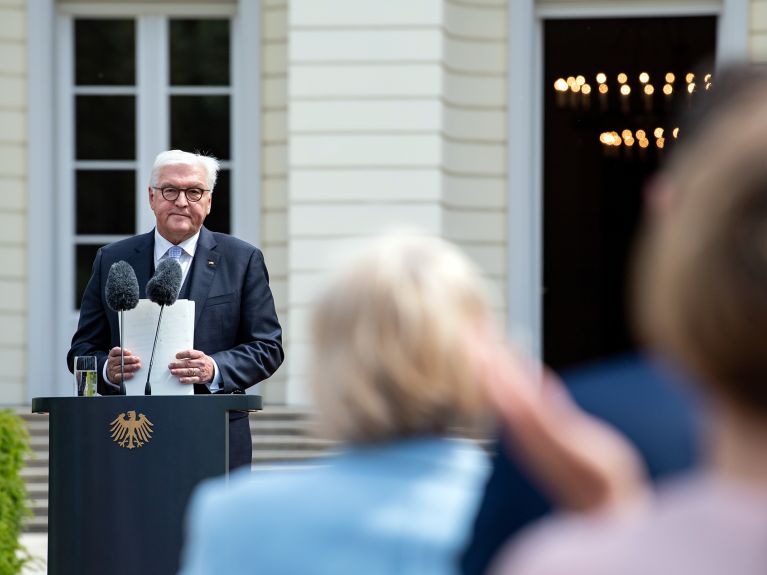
(131, 432)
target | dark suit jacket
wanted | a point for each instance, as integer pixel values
(631, 393)
(235, 320)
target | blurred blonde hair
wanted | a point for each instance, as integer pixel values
(392, 342)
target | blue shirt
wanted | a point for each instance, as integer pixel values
(403, 507)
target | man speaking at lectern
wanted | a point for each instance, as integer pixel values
(237, 336)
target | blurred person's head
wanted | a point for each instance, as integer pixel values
(701, 283)
(392, 342)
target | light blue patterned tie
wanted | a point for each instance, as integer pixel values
(175, 253)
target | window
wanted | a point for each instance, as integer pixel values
(133, 87)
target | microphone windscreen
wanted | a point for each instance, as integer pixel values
(121, 288)
(164, 286)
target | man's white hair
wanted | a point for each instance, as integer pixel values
(176, 157)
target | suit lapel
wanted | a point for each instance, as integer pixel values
(142, 260)
(203, 271)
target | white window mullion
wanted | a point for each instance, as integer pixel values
(104, 164)
(104, 90)
(152, 119)
(199, 91)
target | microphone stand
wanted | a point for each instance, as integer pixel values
(148, 386)
(122, 354)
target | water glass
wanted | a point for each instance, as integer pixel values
(86, 377)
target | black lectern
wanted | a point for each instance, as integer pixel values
(121, 470)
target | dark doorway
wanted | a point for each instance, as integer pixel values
(592, 189)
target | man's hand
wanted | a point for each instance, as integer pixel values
(132, 364)
(193, 366)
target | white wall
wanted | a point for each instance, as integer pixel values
(396, 119)
(474, 136)
(758, 31)
(13, 202)
(365, 132)
(374, 113)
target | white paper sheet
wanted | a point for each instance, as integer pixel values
(176, 334)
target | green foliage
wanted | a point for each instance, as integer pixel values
(14, 445)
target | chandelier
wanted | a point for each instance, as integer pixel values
(577, 93)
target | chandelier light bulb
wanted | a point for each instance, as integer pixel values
(625, 89)
(622, 78)
(601, 78)
(644, 77)
(670, 77)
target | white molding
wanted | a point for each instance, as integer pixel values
(732, 32)
(627, 9)
(42, 375)
(63, 190)
(524, 251)
(152, 114)
(246, 124)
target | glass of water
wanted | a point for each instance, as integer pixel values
(85, 375)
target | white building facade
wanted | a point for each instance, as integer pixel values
(343, 118)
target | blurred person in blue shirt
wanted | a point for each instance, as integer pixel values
(393, 377)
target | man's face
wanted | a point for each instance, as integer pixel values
(180, 219)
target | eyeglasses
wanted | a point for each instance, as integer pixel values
(171, 194)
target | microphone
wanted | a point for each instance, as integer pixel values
(121, 287)
(163, 290)
(164, 286)
(121, 293)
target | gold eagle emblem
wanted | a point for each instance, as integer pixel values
(131, 432)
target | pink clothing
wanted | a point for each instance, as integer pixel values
(699, 525)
